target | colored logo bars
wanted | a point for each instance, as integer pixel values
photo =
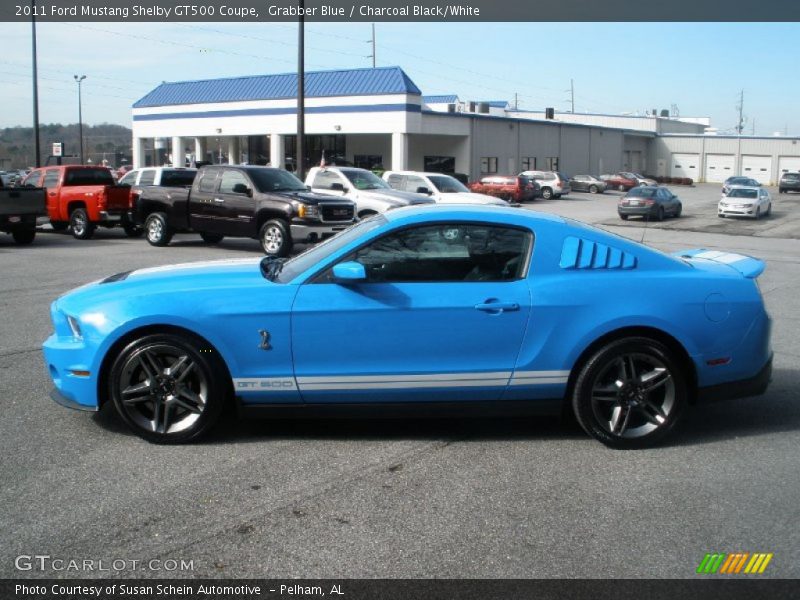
(733, 564)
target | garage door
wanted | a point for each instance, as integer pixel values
(757, 167)
(788, 164)
(719, 167)
(685, 165)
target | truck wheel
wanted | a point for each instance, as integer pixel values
(132, 230)
(158, 233)
(59, 225)
(24, 236)
(211, 238)
(275, 239)
(593, 189)
(82, 228)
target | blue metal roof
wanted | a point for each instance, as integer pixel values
(350, 82)
(496, 103)
(441, 99)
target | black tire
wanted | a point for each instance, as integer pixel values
(780, 190)
(720, 215)
(366, 214)
(630, 393)
(769, 210)
(593, 189)
(132, 230)
(624, 217)
(169, 388)
(660, 214)
(275, 239)
(211, 238)
(547, 193)
(82, 228)
(24, 236)
(621, 188)
(679, 211)
(157, 230)
(758, 213)
(59, 225)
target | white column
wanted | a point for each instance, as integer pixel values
(233, 150)
(277, 150)
(178, 154)
(138, 153)
(200, 148)
(399, 152)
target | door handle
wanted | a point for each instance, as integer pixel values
(220, 200)
(496, 308)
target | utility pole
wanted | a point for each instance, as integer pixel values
(301, 94)
(753, 127)
(572, 94)
(516, 101)
(373, 56)
(740, 127)
(79, 80)
(37, 159)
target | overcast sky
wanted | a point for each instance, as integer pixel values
(617, 68)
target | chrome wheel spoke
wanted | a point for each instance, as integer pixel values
(158, 409)
(619, 419)
(654, 379)
(149, 364)
(187, 399)
(606, 393)
(139, 392)
(652, 413)
(180, 368)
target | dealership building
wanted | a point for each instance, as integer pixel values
(379, 118)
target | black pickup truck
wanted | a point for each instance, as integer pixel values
(19, 208)
(263, 203)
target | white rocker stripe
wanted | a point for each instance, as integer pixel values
(531, 374)
(440, 377)
(401, 385)
(539, 380)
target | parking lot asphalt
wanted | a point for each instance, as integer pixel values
(364, 498)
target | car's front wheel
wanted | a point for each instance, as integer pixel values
(593, 189)
(275, 239)
(547, 193)
(168, 388)
(629, 393)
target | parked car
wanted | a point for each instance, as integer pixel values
(552, 184)
(123, 170)
(431, 308)
(263, 203)
(649, 202)
(513, 188)
(587, 183)
(789, 182)
(620, 182)
(442, 188)
(639, 178)
(745, 201)
(83, 198)
(736, 180)
(19, 208)
(371, 194)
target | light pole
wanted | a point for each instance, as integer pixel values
(37, 160)
(80, 111)
(301, 94)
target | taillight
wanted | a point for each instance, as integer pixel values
(649, 202)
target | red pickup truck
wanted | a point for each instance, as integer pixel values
(83, 197)
(514, 188)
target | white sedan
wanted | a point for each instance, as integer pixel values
(745, 201)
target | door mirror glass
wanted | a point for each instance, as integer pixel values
(338, 187)
(349, 272)
(241, 188)
(423, 190)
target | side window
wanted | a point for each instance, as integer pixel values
(207, 181)
(456, 252)
(414, 182)
(51, 179)
(33, 179)
(324, 180)
(395, 181)
(148, 177)
(231, 179)
(129, 179)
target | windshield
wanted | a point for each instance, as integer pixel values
(275, 180)
(365, 180)
(642, 192)
(742, 193)
(315, 255)
(448, 185)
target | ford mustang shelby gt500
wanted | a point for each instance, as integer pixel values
(440, 307)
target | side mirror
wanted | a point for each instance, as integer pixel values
(338, 187)
(424, 190)
(241, 188)
(349, 272)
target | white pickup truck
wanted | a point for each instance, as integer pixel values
(370, 193)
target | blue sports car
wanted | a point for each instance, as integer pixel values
(454, 309)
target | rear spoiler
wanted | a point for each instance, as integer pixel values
(746, 265)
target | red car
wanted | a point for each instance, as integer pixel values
(513, 188)
(620, 182)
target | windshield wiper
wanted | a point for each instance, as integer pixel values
(271, 267)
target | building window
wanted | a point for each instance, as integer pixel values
(440, 164)
(551, 163)
(489, 164)
(529, 163)
(368, 161)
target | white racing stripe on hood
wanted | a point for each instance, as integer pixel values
(199, 265)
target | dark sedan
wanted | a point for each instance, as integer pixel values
(587, 183)
(790, 182)
(650, 202)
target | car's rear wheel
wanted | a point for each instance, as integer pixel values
(275, 239)
(24, 235)
(593, 189)
(623, 217)
(168, 388)
(212, 238)
(547, 193)
(621, 188)
(158, 232)
(630, 393)
(82, 228)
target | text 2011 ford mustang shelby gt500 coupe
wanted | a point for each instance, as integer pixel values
(439, 307)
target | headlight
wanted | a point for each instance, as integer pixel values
(74, 326)
(307, 210)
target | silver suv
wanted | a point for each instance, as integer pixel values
(552, 184)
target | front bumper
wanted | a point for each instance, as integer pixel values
(752, 386)
(59, 398)
(734, 211)
(306, 233)
(63, 356)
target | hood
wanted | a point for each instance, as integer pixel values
(469, 198)
(395, 197)
(312, 197)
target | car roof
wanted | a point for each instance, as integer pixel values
(471, 212)
(746, 187)
(423, 173)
